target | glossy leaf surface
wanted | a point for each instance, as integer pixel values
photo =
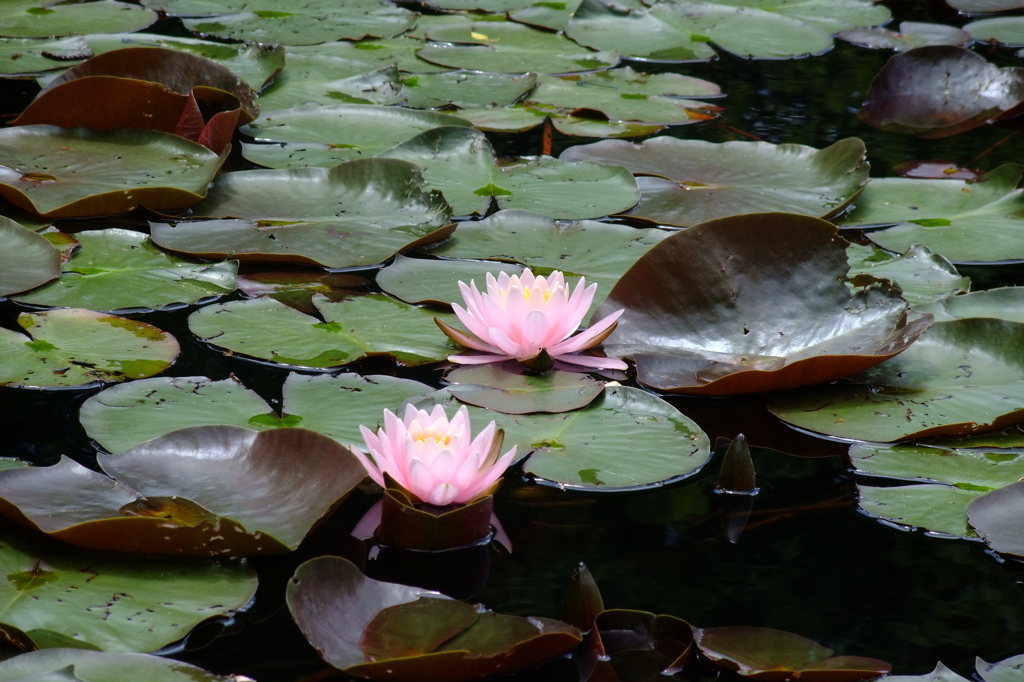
(922, 276)
(80, 665)
(507, 389)
(436, 282)
(996, 517)
(19, 21)
(27, 260)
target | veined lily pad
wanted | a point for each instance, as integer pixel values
(507, 389)
(81, 665)
(960, 377)
(307, 22)
(600, 251)
(57, 596)
(940, 91)
(694, 181)
(206, 491)
(910, 35)
(315, 79)
(732, 322)
(53, 18)
(355, 328)
(326, 136)
(964, 221)
(506, 47)
(75, 347)
(466, 89)
(72, 173)
(1006, 303)
(996, 516)
(124, 416)
(117, 269)
(23, 56)
(436, 282)
(387, 631)
(583, 449)
(354, 214)
(27, 259)
(923, 276)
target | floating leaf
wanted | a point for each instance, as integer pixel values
(400, 51)
(940, 674)
(981, 6)
(505, 47)
(206, 491)
(295, 288)
(315, 79)
(59, 595)
(52, 19)
(960, 377)
(117, 269)
(27, 260)
(62, 173)
(503, 389)
(967, 468)
(996, 516)
(911, 34)
(1003, 671)
(75, 347)
(922, 276)
(436, 282)
(694, 181)
(357, 213)
(1003, 30)
(717, 326)
(351, 329)
(23, 56)
(640, 644)
(466, 89)
(965, 221)
(939, 91)
(1006, 303)
(938, 509)
(100, 666)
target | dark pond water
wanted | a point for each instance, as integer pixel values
(807, 561)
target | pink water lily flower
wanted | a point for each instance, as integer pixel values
(531, 319)
(435, 459)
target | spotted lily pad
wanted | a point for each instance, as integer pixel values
(685, 182)
(509, 390)
(56, 596)
(121, 417)
(939, 91)
(350, 330)
(965, 221)
(115, 269)
(506, 47)
(53, 18)
(911, 34)
(81, 665)
(732, 322)
(23, 56)
(62, 173)
(922, 276)
(75, 347)
(205, 491)
(27, 259)
(959, 378)
(357, 213)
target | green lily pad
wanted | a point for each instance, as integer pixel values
(328, 135)
(62, 173)
(506, 389)
(911, 34)
(932, 507)
(600, 251)
(400, 51)
(383, 630)
(978, 469)
(996, 517)
(922, 276)
(208, 491)
(53, 19)
(506, 47)
(465, 89)
(60, 596)
(546, 14)
(124, 416)
(24, 56)
(75, 347)
(350, 330)
(583, 449)
(81, 665)
(694, 181)
(983, 6)
(732, 322)
(1003, 671)
(306, 22)
(354, 214)
(436, 282)
(1003, 30)
(940, 674)
(117, 269)
(315, 79)
(977, 221)
(959, 378)
(296, 287)
(938, 91)
(766, 654)
(1006, 303)
(27, 259)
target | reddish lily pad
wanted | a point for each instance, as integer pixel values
(204, 491)
(939, 91)
(642, 645)
(732, 322)
(776, 655)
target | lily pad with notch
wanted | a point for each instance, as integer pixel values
(733, 322)
(996, 518)
(27, 259)
(118, 269)
(32, 56)
(81, 665)
(209, 491)
(296, 287)
(922, 276)
(1004, 303)
(400, 51)
(72, 347)
(911, 34)
(436, 281)
(316, 79)
(465, 89)
(960, 377)
(507, 388)
(54, 18)
(685, 182)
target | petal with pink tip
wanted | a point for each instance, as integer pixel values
(371, 468)
(467, 359)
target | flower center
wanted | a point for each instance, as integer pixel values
(436, 436)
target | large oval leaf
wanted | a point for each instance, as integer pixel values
(53, 19)
(694, 181)
(732, 322)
